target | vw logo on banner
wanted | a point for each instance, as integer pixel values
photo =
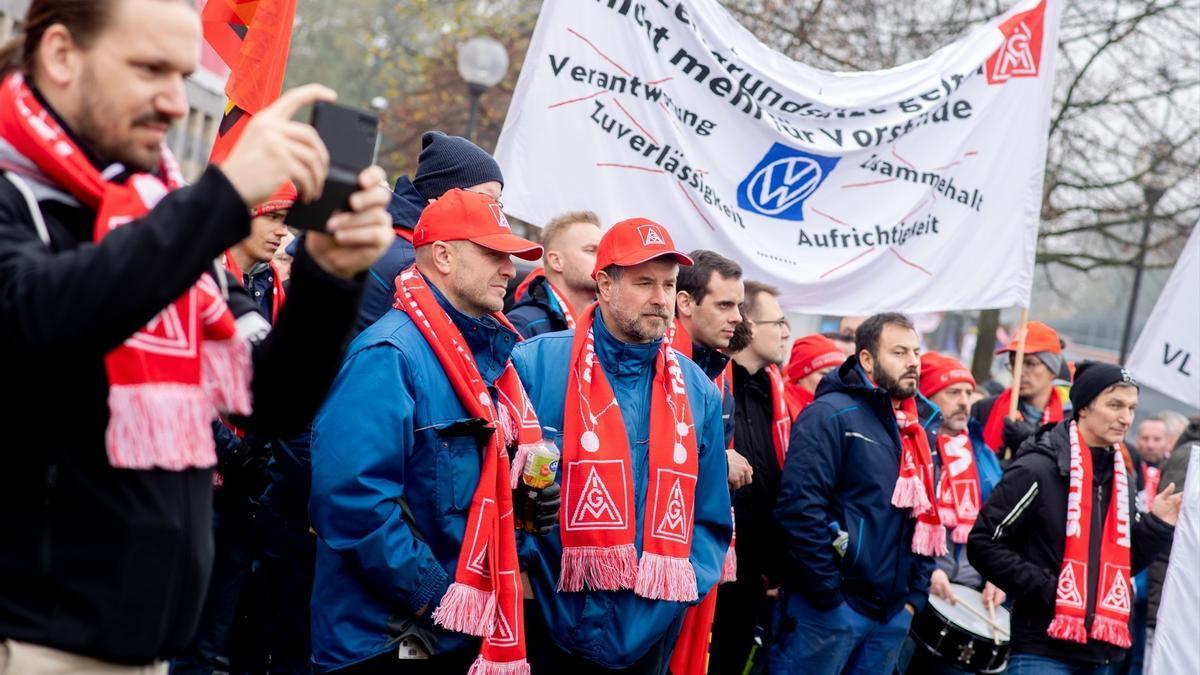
(782, 180)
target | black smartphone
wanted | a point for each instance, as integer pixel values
(350, 135)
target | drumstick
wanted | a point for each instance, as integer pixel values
(986, 620)
(992, 611)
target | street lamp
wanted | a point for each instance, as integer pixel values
(482, 63)
(1153, 182)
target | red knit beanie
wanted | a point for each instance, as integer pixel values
(939, 372)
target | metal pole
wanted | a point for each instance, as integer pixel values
(1127, 334)
(476, 93)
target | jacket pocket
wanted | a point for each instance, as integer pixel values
(856, 557)
(457, 466)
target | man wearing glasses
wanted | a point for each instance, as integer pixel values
(761, 432)
(1039, 402)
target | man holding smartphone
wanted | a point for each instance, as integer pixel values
(122, 344)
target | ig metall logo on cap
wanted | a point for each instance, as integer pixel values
(782, 181)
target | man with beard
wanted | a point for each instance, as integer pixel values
(1039, 400)
(553, 295)
(965, 471)
(645, 519)
(856, 505)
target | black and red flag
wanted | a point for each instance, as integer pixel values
(252, 37)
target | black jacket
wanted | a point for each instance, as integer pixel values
(758, 535)
(537, 312)
(1018, 541)
(108, 563)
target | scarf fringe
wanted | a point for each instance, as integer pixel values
(910, 494)
(162, 425)
(466, 609)
(610, 568)
(960, 533)
(1068, 628)
(948, 516)
(226, 372)
(517, 467)
(1107, 629)
(929, 539)
(484, 667)
(661, 577)
(729, 569)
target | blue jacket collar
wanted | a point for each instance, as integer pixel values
(711, 361)
(406, 204)
(489, 342)
(621, 358)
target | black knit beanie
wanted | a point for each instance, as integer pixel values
(1092, 378)
(449, 162)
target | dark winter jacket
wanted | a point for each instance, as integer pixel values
(537, 311)
(103, 562)
(1018, 541)
(405, 209)
(757, 533)
(842, 464)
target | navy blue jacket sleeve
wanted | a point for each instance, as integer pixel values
(918, 580)
(810, 477)
(361, 441)
(381, 283)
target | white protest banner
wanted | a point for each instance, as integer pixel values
(1167, 353)
(916, 188)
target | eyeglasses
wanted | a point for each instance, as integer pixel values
(481, 192)
(781, 322)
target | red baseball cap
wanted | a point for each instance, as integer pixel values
(939, 372)
(1040, 338)
(284, 198)
(812, 353)
(464, 215)
(633, 242)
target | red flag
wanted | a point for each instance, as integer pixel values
(252, 37)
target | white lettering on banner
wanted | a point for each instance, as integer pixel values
(846, 190)
(1163, 355)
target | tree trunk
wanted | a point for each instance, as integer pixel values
(985, 345)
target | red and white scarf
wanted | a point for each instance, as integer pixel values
(559, 298)
(993, 429)
(597, 517)
(1111, 621)
(1153, 477)
(278, 295)
(959, 496)
(486, 597)
(914, 486)
(781, 414)
(168, 380)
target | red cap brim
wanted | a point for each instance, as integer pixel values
(639, 257)
(510, 244)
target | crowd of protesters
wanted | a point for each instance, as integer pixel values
(234, 454)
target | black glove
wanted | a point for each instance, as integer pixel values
(545, 506)
(1015, 432)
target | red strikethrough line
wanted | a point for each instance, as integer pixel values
(630, 166)
(839, 222)
(602, 54)
(635, 122)
(874, 182)
(695, 206)
(665, 79)
(897, 156)
(576, 100)
(846, 263)
(908, 262)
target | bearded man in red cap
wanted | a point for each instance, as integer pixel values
(412, 496)
(812, 357)
(645, 524)
(965, 471)
(1039, 401)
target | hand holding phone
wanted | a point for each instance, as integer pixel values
(350, 137)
